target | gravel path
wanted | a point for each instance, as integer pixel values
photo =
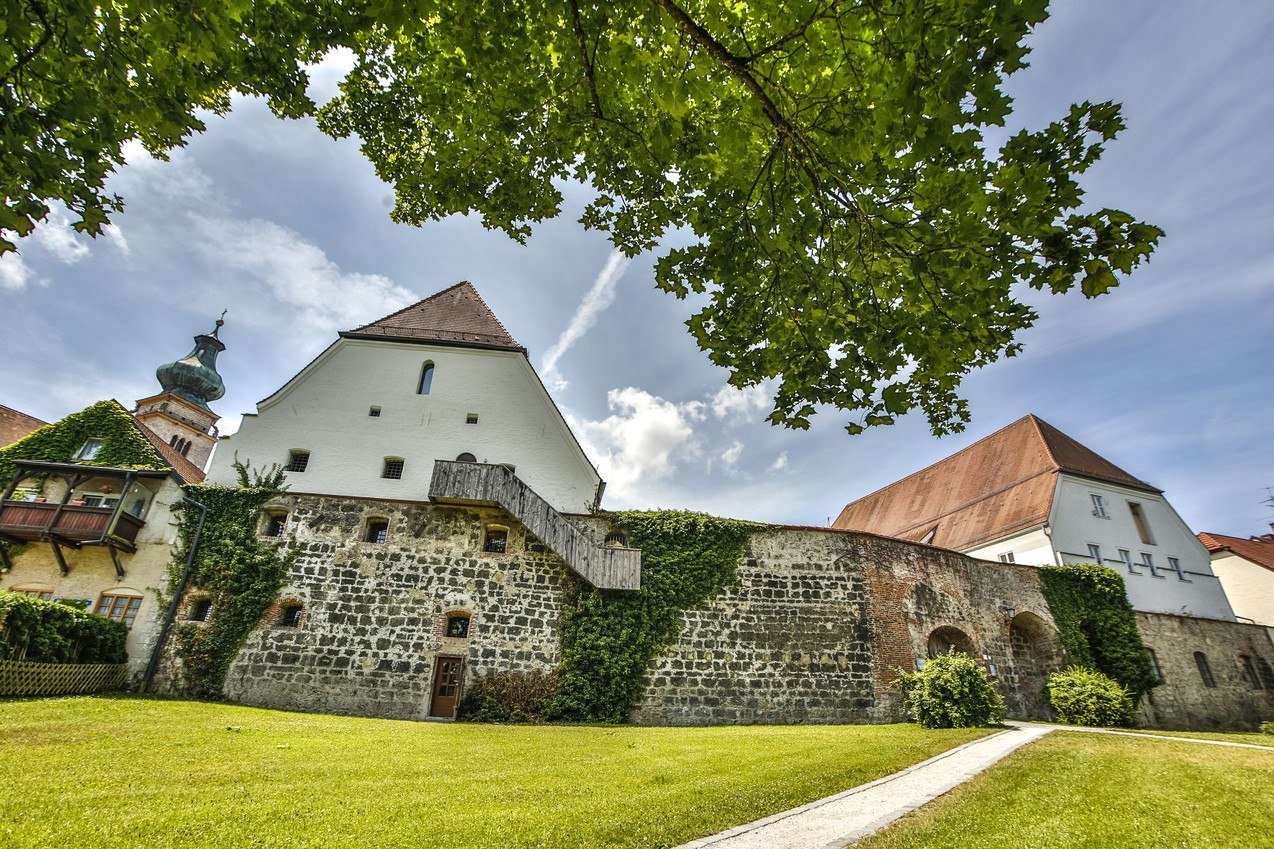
(839, 820)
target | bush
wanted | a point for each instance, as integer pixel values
(951, 691)
(1267, 727)
(1086, 697)
(509, 697)
(47, 632)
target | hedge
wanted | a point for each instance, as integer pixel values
(47, 632)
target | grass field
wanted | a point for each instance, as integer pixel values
(1098, 791)
(1254, 737)
(148, 773)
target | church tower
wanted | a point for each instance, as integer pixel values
(180, 413)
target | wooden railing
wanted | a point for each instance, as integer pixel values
(32, 519)
(605, 567)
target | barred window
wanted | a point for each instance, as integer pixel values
(616, 540)
(297, 461)
(1205, 669)
(122, 607)
(393, 468)
(200, 610)
(276, 524)
(290, 615)
(497, 540)
(377, 530)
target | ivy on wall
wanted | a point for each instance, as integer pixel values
(1096, 625)
(240, 573)
(123, 445)
(41, 631)
(608, 637)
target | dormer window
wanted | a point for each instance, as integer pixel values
(426, 379)
(392, 469)
(298, 461)
(89, 449)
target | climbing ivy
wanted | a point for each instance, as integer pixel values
(123, 445)
(608, 637)
(1096, 625)
(241, 573)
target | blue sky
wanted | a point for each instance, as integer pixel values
(1169, 377)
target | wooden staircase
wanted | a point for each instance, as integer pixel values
(605, 567)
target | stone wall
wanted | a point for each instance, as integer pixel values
(821, 620)
(374, 613)
(1183, 700)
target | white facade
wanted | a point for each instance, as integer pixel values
(327, 410)
(1249, 586)
(1169, 571)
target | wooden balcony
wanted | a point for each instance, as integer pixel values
(35, 520)
(605, 567)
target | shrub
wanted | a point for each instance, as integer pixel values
(1267, 727)
(509, 697)
(48, 632)
(1086, 697)
(951, 691)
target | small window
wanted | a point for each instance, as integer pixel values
(200, 610)
(471, 418)
(616, 540)
(122, 607)
(1249, 672)
(1175, 564)
(1099, 505)
(289, 615)
(1154, 665)
(173, 441)
(1126, 556)
(392, 469)
(276, 524)
(374, 412)
(185, 447)
(458, 625)
(1007, 557)
(1205, 669)
(297, 461)
(1139, 519)
(1148, 560)
(466, 457)
(89, 449)
(497, 541)
(426, 379)
(1094, 551)
(377, 530)
(42, 592)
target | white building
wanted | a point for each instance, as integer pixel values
(1245, 566)
(439, 380)
(1028, 493)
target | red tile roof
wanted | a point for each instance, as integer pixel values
(1000, 484)
(14, 425)
(186, 470)
(457, 315)
(1259, 550)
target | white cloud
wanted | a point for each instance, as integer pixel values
(598, 298)
(299, 273)
(780, 463)
(16, 274)
(730, 457)
(741, 404)
(56, 236)
(643, 439)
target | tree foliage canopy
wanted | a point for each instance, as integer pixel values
(855, 235)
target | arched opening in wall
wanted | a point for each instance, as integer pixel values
(466, 457)
(616, 539)
(275, 523)
(948, 639)
(1250, 675)
(426, 378)
(199, 609)
(1033, 648)
(290, 615)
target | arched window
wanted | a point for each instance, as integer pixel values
(949, 640)
(426, 378)
(290, 613)
(199, 611)
(121, 605)
(298, 461)
(616, 539)
(377, 530)
(466, 457)
(1249, 672)
(185, 447)
(1205, 669)
(392, 468)
(496, 540)
(173, 441)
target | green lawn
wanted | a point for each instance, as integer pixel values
(1099, 790)
(136, 772)
(1254, 737)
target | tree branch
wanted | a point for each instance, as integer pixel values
(585, 59)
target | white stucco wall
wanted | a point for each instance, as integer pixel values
(324, 410)
(1249, 587)
(1074, 526)
(1032, 548)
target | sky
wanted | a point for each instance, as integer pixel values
(1169, 377)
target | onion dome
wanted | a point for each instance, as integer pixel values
(194, 377)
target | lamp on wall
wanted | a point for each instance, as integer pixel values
(1009, 612)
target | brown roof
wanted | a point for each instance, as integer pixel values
(998, 485)
(457, 316)
(1259, 550)
(14, 425)
(186, 470)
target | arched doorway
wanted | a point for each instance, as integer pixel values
(1033, 647)
(948, 639)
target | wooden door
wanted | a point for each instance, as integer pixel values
(448, 673)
